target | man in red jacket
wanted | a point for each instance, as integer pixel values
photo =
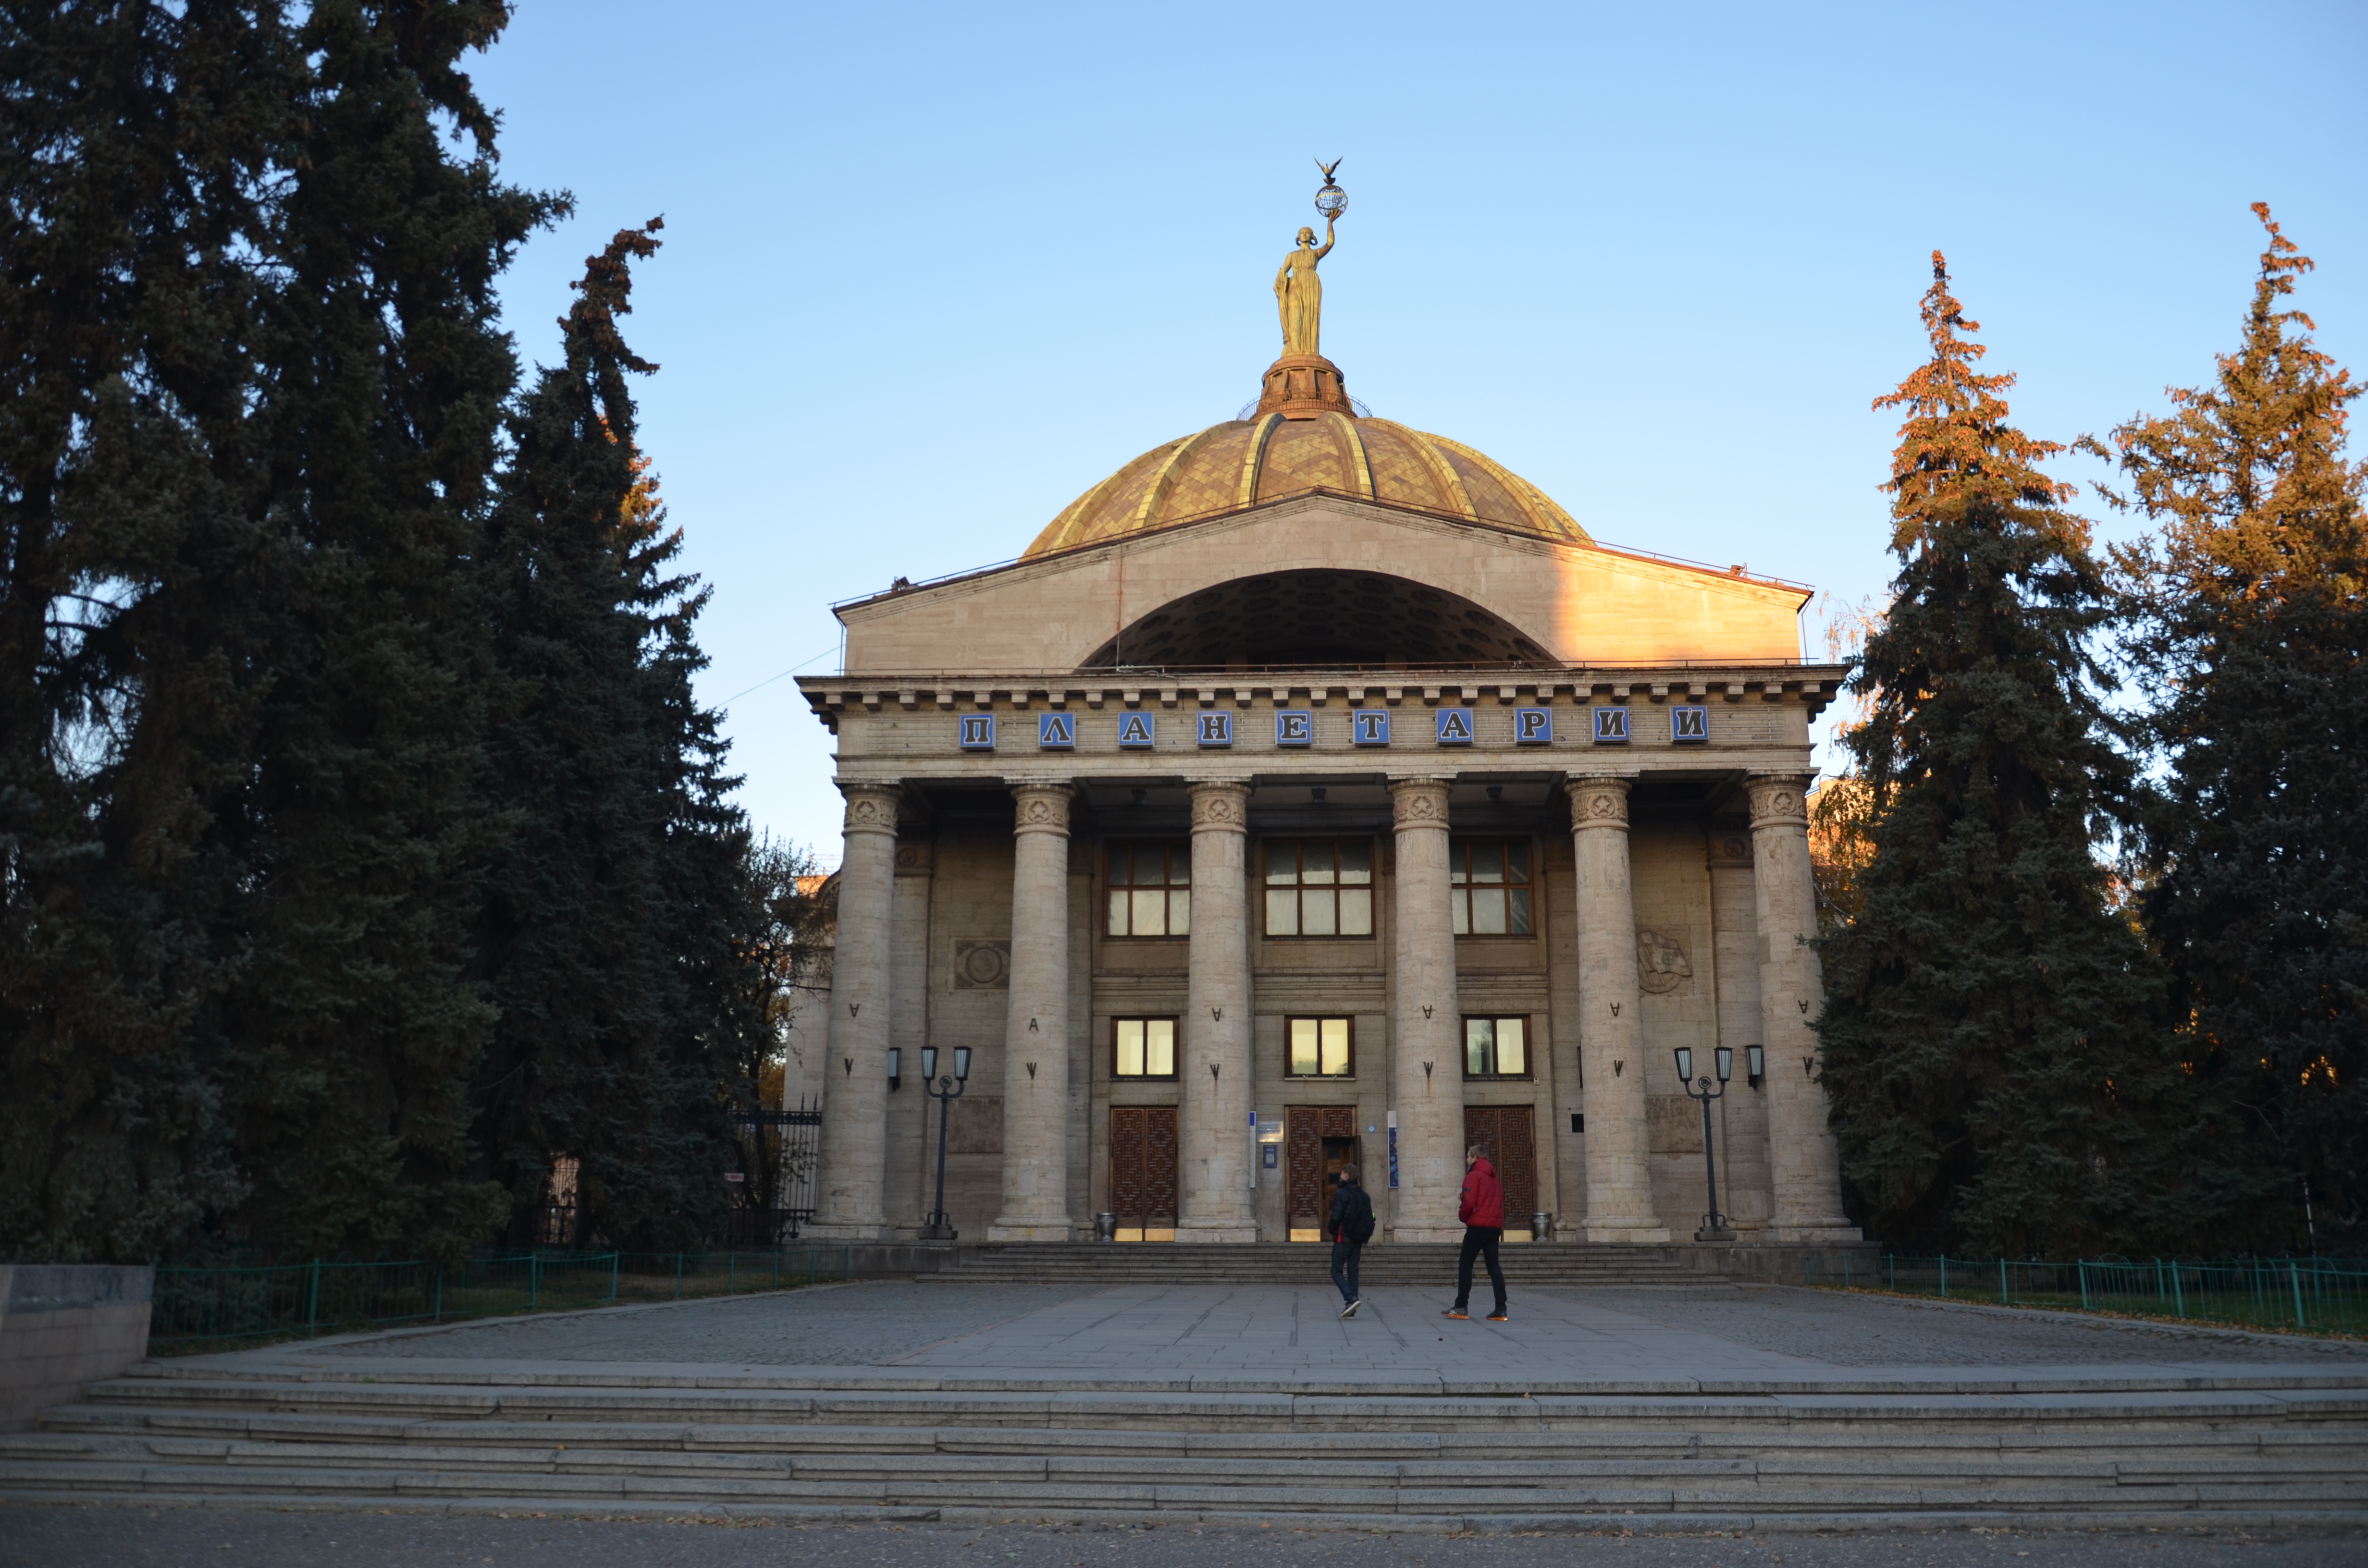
(1483, 1213)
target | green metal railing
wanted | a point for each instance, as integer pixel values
(198, 1309)
(2316, 1294)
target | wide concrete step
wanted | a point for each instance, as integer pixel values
(1264, 1262)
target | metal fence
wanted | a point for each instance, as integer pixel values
(2321, 1294)
(201, 1309)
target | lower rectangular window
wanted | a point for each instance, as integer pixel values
(1143, 1048)
(1497, 1048)
(1322, 1048)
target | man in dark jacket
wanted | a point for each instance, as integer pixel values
(1483, 1213)
(1350, 1226)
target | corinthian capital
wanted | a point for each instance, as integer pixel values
(1598, 800)
(1043, 808)
(1778, 800)
(871, 808)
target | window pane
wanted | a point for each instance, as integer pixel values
(1488, 911)
(1357, 862)
(1281, 912)
(1517, 861)
(1356, 912)
(1336, 1046)
(1316, 910)
(1488, 860)
(1118, 859)
(1159, 1047)
(1150, 913)
(1459, 869)
(1130, 1048)
(1303, 1047)
(1315, 864)
(1117, 912)
(1282, 863)
(1180, 868)
(1478, 1036)
(1459, 912)
(1513, 1048)
(1521, 921)
(1180, 913)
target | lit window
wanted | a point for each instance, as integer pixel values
(1489, 886)
(1150, 890)
(1496, 1048)
(1322, 1048)
(1145, 1048)
(1319, 887)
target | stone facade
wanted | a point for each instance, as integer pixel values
(63, 1325)
(1212, 929)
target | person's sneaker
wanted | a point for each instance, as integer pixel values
(1498, 1316)
(1455, 1313)
(1349, 1310)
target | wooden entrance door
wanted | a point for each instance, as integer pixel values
(1318, 1139)
(1142, 1170)
(1505, 1131)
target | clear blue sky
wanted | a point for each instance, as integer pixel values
(932, 271)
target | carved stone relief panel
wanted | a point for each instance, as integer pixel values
(981, 963)
(1661, 964)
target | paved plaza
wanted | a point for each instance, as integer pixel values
(1290, 1332)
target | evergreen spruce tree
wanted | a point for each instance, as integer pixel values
(1992, 1041)
(135, 142)
(362, 829)
(2252, 635)
(601, 936)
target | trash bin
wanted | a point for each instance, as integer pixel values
(1105, 1227)
(1541, 1227)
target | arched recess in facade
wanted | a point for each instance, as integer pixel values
(1316, 619)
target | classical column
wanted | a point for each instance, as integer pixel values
(1036, 1031)
(1428, 1074)
(1804, 1169)
(1612, 1047)
(911, 1124)
(855, 1070)
(1213, 1051)
(1735, 967)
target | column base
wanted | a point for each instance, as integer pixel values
(1642, 1234)
(1427, 1234)
(1029, 1230)
(1834, 1232)
(1215, 1234)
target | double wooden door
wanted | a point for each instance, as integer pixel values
(1317, 1141)
(1142, 1168)
(1505, 1130)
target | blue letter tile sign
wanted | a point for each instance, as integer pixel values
(1216, 729)
(1135, 729)
(1611, 726)
(977, 732)
(1295, 727)
(1056, 732)
(1688, 722)
(1369, 726)
(1532, 726)
(1456, 726)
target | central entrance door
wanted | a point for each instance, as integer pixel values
(1142, 1172)
(1505, 1131)
(1318, 1139)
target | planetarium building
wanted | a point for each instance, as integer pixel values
(1314, 790)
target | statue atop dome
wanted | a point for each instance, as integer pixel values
(1298, 291)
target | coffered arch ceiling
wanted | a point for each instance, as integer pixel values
(1318, 619)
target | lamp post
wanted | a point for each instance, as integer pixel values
(945, 1091)
(1713, 1227)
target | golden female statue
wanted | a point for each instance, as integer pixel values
(1299, 293)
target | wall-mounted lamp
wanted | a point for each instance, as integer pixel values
(1755, 1066)
(1495, 791)
(895, 1067)
(1316, 794)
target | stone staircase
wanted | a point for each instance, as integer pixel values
(2288, 1446)
(1419, 1264)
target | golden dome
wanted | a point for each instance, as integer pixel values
(1244, 461)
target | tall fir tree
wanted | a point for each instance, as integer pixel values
(1992, 1039)
(2250, 618)
(137, 148)
(601, 942)
(362, 830)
